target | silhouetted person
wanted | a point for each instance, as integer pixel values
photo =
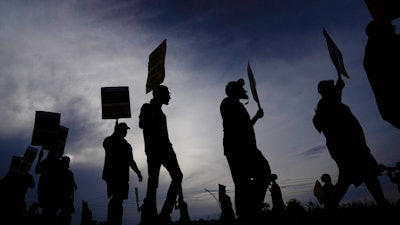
(49, 185)
(118, 160)
(327, 190)
(13, 188)
(67, 192)
(394, 175)
(227, 214)
(159, 152)
(249, 168)
(381, 64)
(346, 143)
(276, 195)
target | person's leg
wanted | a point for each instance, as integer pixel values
(172, 166)
(261, 179)
(374, 187)
(49, 214)
(115, 210)
(242, 183)
(339, 191)
(148, 210)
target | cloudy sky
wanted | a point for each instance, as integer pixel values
(57, 55)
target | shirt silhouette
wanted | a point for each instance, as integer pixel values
(346, 143)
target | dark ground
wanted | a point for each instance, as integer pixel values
(353, 213)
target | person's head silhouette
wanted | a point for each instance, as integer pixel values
(235, 89)
(326, 87)
(121, 129)
(326, 178)
(161, 94)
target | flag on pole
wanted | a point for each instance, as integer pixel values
(252, 82)
(335, 54)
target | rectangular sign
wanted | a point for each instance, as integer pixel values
(156, 67)
(46, 127)
(115, 102)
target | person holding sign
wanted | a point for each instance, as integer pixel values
(159, 152)
(118, 160)
(249, 168)
(346, 143)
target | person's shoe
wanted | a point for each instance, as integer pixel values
(148, 215)
(164, 219)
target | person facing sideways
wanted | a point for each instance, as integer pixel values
(346, 143)
(159, 152)
(381, 65)
(250, 170)
(327, 190)
(118, 160)
(276, 195)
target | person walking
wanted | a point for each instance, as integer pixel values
(276, 195)
(250, 170)
(346, 143)
(118, 160)
(159, 152)
(68, 189)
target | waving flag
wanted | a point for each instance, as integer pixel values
(335, 54)
(252, 82)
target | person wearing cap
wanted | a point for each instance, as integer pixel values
(159, 152)
(118, 159)
(346, 143)
(249, 168)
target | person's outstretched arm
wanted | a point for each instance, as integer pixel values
(259, 114)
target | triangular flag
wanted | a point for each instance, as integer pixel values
(252, 82)
(335, 54)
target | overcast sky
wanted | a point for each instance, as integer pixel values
(57, 55)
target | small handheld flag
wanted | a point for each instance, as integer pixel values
(252, 82)
(335, 54)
